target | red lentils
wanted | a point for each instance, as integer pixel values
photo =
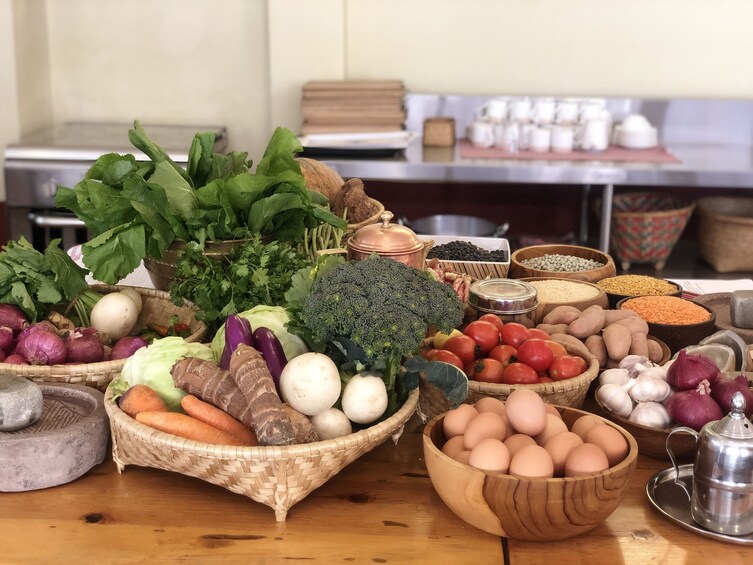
(667, 310)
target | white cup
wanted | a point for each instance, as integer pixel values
(540, 139)
(493, 110)
(563, 139)
(635, 122)
(592, 108)
(566, 111)
(520, 110)
(593, 135)
(507, 137)
(524, 141)
(543, 110)
(481, 134)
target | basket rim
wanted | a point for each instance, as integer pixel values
(160, 439)
(608, 265)
(371, 219)
(656, 213)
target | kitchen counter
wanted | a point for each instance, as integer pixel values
(380, 509)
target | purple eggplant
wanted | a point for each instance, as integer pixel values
(270, 348)
(237, 331)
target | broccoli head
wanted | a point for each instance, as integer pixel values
(383, 306)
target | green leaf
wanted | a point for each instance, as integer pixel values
(200, 157)
(139, 138)
(116, 253)
(263, 211)
(179, 192)
(448, 378)
(279, 155)
(68, 275)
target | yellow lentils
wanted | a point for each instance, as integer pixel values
(637, 285)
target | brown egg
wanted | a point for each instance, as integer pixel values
(490, 404)
(550, 409)
(533, 462)
(559, 447)
(585, 423)
(611, 442)
(526, 412)
(482, 426)
(463, 457)
(453, 446)
(456, 420)
(585, 459)
(516, 441)
(490, 455)
(553, 426)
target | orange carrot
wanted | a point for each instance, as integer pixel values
(217, 418)
(141, 398)
(187, 427)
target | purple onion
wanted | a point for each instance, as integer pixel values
(127, 346)
(83, 348)
(6, 340)
(725, 388)
(694, 408)
(42, 347)
(15, 359)
(13, 317)
(689, 370)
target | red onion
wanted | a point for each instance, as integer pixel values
(83, 347)
(688, 370)
(42, 347)
(127, 346)
(724, 388)
(6, 339)
(13, 317)
(2, 356)
(694, 408)
(15, 359)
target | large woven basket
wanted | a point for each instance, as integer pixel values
(276, 476)
(646, 226)
(157, 309)
(725, 233)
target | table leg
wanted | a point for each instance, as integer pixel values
(583, 237)
(606, 217)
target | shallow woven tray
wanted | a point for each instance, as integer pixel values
(157, 308)
(278, 477)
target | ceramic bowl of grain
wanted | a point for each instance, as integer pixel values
(555, 291)
(629, 286)
(678, 322)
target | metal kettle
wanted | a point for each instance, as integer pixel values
(722, 497)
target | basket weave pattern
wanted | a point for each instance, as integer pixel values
(647, 226)
(725, 233)
(157, 308)
(278, 477)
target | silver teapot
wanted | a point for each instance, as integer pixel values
(722, 497)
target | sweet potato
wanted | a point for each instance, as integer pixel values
(573, 345)
(634, 324)
(562, 315)
(617, 340)
(614, 315)
(590, 322)
(638, 344)
(553, 328)
(595, 344)
(655, 352)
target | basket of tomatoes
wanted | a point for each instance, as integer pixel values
(500, 357)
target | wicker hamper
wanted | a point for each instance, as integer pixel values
(725, 233)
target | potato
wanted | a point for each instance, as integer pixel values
(562, 315)
(617, 340)
(595, 344)
(634, 324)
(553, 328)
(638, 344)
(590, 322)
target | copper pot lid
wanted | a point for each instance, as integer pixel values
(385, 238)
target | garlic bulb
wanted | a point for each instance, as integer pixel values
(649, 389)
(651, 414)
(656, 371)
(629, 362)
(615, 399)
(614, 376)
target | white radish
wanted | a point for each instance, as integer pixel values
(364, 398)
(114, 314)
(331, 423)
(134, 295)
(310, 383)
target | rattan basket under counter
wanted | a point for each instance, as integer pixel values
(725, 233)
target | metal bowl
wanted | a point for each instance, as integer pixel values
(452, 224)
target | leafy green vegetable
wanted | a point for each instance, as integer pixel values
(448, 378)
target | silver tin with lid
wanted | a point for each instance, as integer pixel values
(511, 300)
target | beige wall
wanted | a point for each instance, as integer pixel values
(241, 63)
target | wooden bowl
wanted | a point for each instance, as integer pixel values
(544, 308)
(519, 271)
(614, 298)
(677, 336)
(527, 509)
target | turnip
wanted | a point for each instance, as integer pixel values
(134, 295)
(310, 383)
(331, 423)
(364, 398)
(114, 314)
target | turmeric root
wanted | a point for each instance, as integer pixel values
(250, 373)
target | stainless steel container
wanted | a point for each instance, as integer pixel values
(452, 224)
(510, 300)
(722, 497)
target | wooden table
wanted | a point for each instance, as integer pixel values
(380, 509)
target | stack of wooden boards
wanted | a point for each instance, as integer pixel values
(337, 106)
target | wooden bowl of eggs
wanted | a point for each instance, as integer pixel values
(528, 470)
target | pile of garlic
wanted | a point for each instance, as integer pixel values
(636, 390)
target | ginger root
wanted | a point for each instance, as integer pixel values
(352, 197)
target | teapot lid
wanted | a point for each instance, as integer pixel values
(385, 238)
(735, 425)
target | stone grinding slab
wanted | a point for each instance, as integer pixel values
(69, 439)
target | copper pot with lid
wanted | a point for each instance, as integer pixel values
(389, 240)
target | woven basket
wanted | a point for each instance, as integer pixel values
(646, 227)
(569, 392)
(725, 233)
(157, 308)
(276, 476)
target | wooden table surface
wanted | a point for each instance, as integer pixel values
(380, 509)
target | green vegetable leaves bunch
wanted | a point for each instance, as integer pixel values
(137, 209)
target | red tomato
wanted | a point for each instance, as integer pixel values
(535, 353)
(485, 334)
(505, 354)
(514, 334)
(556, 347)
(545, 380)
(487, 370)
(494, 319)
(429, 352)
(463, 346)
(539, 334)
(566, 367)
(519, 373)
(445, 357)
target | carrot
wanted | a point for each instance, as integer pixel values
(197, 408)
(187, 427)
(141, 398)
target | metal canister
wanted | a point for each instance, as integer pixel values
(511, 300)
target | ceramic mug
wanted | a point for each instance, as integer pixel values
(566, 111)
(507, 137)
(520, 110)
(590, 109)
(563, 139)
(593, 135)
(481, 133)
(493, 110)
(543, 110)
(540, 139)
(524, 139)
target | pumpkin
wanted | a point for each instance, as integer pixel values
(320, 177)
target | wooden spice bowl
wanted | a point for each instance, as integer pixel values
(519, 271)
(527, 509)
(614, 297)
